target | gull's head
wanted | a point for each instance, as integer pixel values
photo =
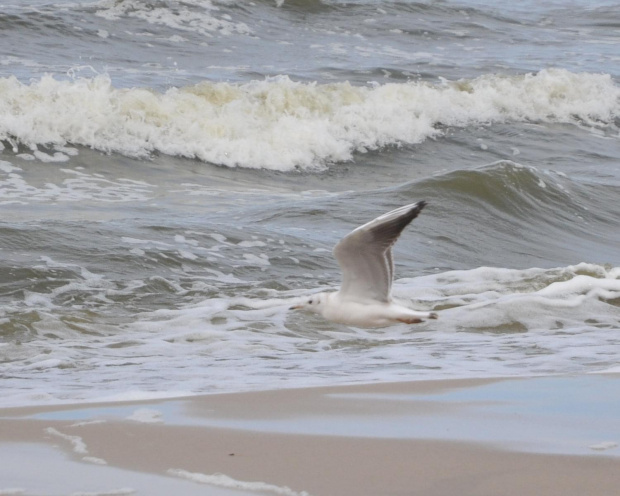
(313, 303)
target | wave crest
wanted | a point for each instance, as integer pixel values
(280, 124)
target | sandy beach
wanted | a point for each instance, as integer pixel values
(543, 436)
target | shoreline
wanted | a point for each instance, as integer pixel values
(545, 436)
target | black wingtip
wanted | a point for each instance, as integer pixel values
(417, 208)
(414, 211)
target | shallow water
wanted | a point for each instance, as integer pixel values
(561, 415)
(92, 478)
(173, 175)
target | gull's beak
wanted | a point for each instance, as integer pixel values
(295, 307)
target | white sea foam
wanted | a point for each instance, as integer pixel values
(492, 322)
(76, 441)
(96, 461)
(198, 16)
(76, 187)
(280, 124)
(603, 446)
(222, 480)
(146, 416)
(536, 299)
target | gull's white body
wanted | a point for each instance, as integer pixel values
(368, 314)
(365, 256)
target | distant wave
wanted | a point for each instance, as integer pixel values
(280, 124)
(199, 17)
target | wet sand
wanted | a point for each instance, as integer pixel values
(543, 436)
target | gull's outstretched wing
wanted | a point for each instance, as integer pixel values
(365, 254)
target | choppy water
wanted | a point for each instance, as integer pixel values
(173, 173)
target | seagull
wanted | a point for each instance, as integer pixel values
(365, 257)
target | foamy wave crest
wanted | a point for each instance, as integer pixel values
(578, 298)
(280, 124)
(196, 16)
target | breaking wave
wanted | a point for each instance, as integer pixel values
(280, 124)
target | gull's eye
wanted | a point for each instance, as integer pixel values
(310, 301)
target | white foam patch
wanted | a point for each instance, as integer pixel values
(225, 481)
(95, 460)
(88, 422)
(280, 124)
(146, 416)
(48, 157)
(8, 168)
(198, 16)
(77, 443)
(493, 298)
(260, 259)
(603, 446)
(77, 186)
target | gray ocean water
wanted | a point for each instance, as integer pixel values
(174, 173)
